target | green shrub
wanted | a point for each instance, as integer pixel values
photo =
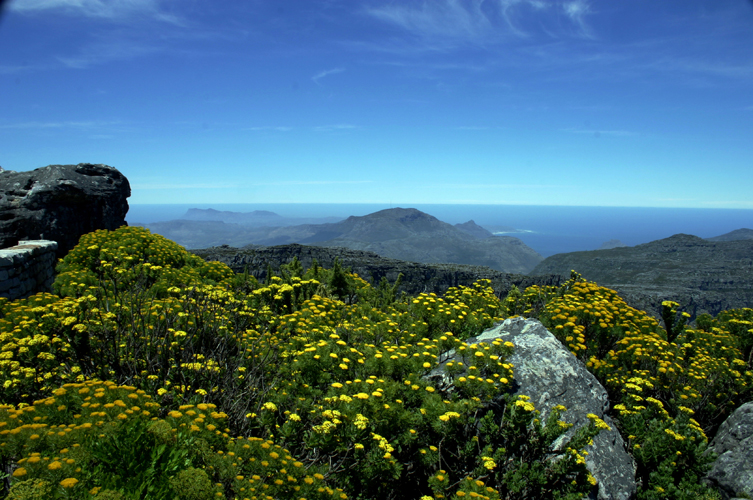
(134, 380)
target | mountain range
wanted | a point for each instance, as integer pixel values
(703, 275)
(399, 233)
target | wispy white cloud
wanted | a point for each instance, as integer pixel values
(60, 125)
(107, 9)
(502, 186)
(331, 128)
(270, 127)
(449, 23)
(328, 72)
(445, 18)
(6, 69)
(708, 67)
(577, 11)
(106, 51)
(138, 186)
(597, 133)
(308, 183)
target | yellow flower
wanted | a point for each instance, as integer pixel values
(20, 472)
(69, 482)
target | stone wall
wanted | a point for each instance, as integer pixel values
(27, 268)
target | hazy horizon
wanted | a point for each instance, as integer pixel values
(518, 102)
(546, 229)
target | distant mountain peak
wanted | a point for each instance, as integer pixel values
(399, 213)
(608, 245)
(738, 234)
(212, 214)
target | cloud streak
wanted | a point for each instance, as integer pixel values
(322, 74)
(332, 128)
(184, 186)
(446, 24)
(104, 9)
(503, 186)
(270, 127)
(597, 133)
(59, 125)
(309, 183)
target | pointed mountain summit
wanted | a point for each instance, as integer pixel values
(412, 235)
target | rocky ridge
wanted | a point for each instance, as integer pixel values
(701, 275)
(417, 278)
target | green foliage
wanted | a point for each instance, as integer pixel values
(327, 383)
(739, 323)
(674, 321)
(669, 394)
(113, 262)
(31, 489)
(192, 484)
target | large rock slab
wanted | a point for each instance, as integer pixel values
(550, 375)
(61, 203)
(732, 472)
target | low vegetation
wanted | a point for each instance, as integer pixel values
(154, 374)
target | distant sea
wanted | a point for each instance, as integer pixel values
(546, 229)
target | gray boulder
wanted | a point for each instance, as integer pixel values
(732, 472)
(550, 375)
(61, 203)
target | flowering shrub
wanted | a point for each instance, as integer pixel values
(98, 439)
(671, 389)
(112, 262)
(133, 380)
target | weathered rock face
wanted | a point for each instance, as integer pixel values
(732, 472)
(550, 375)
(61, 203)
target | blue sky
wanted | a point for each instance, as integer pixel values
(540, 102)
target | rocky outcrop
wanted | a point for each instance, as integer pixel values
(550, 375)
(732, 472)
(61, 203)
(417, 278)
(701, 275)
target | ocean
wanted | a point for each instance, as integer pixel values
(546, 229)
